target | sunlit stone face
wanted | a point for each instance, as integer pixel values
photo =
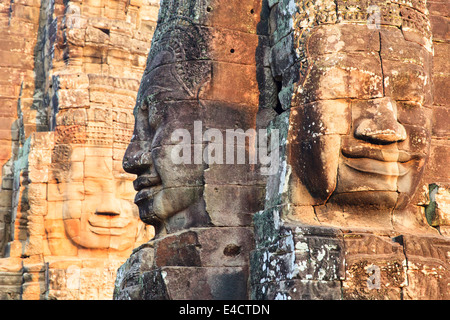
(361, 127)
(91, 196)
(99, 214)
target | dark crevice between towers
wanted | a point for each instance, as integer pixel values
(43, 99)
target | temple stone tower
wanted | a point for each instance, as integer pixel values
(358, 208)
(67, 218)
(191, 151)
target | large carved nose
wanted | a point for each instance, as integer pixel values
(379, 123)
(138, 157)
(108, 205)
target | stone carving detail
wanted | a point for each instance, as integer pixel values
(355, 106)
(359, 134)
(355, 91)
(196, 80)
(175, 72)
(73, 220)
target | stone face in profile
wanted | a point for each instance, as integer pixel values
(200, 81)
(191, 78)
(167, 100)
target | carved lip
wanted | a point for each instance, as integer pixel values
(108, 226)
(385, 168)
(384, 155)
(146, 181)
(146, 193)
(363, 151)
(377, 160)
(107, 231)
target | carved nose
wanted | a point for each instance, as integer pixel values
(380, 124)
(137, 158)
(108, 205)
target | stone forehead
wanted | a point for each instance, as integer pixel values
(181, 36)
(187, 43)
(400, 13)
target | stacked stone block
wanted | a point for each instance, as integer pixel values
(76, 87)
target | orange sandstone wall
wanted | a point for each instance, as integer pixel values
(66, 66)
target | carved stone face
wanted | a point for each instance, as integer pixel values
(167, 194)
(362, 128)
(90, 195)
(98, 212)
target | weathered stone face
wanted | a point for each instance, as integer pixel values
(90, 193)
(167, 101)
(193, 83)
(199, 83)
(344, 216)
(359, 116)
(98, 213)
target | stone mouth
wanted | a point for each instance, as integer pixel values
(146, 181)
(103, 225)
(355, 151)
(386, 168)
(146, 193)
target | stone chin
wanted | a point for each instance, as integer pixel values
(147, 214)
(162, 208)
(366, 199)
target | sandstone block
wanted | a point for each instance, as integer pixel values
(97, 167)
(427, 264)
(319, 254)
(405, 81)
(181, 283)
(298, 290)
(440, 85)
(73, 98)
(343, 37)
(210, 247)
(243, 87)
(95, 35)
(223, 208)
(73, 81)
(375, 268)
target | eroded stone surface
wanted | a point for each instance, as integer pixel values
(360, 159)
(200, 78)
(356, 209)
(71, 215)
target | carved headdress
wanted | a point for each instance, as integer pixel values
(97, 127)
(180, 36)
(411, 16)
